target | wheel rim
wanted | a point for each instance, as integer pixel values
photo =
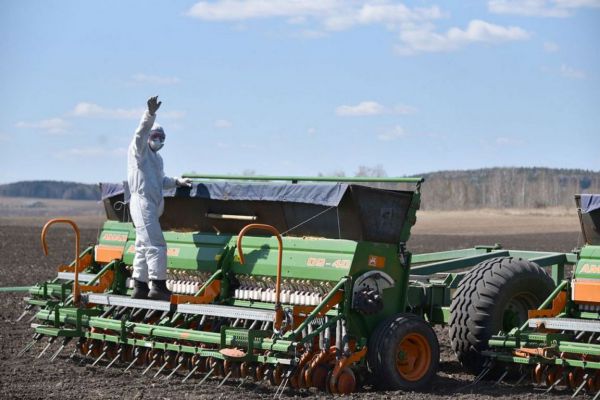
(516, 310)
(413, 357)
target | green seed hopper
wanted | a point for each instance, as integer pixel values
(304, 282)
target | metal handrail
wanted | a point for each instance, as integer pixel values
(295, 179)
(278, 309)
(77, 260)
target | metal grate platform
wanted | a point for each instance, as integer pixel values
(125, 301)
(566, 324)
(227, 311)
(70, 276)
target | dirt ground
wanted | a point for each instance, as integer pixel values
(22, 263)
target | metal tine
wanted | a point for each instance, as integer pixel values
(242, 382)
(45, 348)
(31, 319)
(116, 358)
(160, 369)
(99, 358)
(501, 377)
(22, 315)
(581, 386)
(173, 372)
(226, 377)
(596, 396)
(205, 378)
(554, 384)
(191, 372)
(62, 346)
(149, 366)
(133, 362)
(522, 378)
(285, 382)
(27, 347)
(479, 377)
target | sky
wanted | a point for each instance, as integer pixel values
(299, 87)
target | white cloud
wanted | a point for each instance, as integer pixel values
(414, 26)
(222, 124)
(155, 79)
(332, 15)
(95, 152)
(51, 126)
(572, 73)
(540, 8)
(427, 40)
(551, 47)
(370, 107)
(361, 109)
(395, 133)
(311, 131)
(91, 110)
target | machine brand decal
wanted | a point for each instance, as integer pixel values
(173, 252)
(376, 261)
(315, 262)
(131, 249)
(115, 237)
(590, 269)
(341, 264)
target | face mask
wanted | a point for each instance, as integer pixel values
(156, 144)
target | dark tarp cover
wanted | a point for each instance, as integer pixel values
(319, 194)
(590, 202)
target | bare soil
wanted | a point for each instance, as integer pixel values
(22, 263)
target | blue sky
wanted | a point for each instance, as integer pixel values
(299, 87)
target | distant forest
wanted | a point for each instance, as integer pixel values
(444, 190)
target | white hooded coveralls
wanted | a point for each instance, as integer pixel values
(146, 180)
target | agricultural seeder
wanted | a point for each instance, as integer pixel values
(302, 282)
(559, 343)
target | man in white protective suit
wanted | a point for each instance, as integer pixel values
(147, 180)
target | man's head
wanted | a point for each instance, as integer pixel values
(157, 137)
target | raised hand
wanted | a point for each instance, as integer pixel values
(153, 104)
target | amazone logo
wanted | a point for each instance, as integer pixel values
(115, 237)
(590, 269)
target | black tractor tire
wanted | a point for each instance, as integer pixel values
(388, 349)
(493, 297)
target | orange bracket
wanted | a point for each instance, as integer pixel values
(84, 262)
(558, 305)
(104, 283)
(76, 290)
(278, 309)
(210, 293)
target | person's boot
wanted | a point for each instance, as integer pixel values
(140, 290)
(159, 291)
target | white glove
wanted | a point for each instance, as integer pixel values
(183, 182)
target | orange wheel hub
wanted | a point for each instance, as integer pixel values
(413, 357)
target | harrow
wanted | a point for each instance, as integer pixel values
(302, 283)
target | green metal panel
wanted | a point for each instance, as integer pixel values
(588, 266)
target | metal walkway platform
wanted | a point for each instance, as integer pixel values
(566, 324)
(126, 301)
(227, 311)
(213, 310)
(70, 276)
